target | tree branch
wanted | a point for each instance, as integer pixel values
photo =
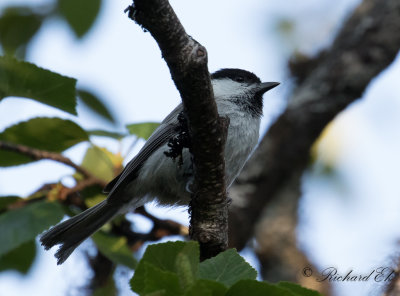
(81, 185)
(37, 154)
(368, 42)
(187, 61)
(161, 228)
(393, 288)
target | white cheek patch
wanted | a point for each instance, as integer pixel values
(226, 88)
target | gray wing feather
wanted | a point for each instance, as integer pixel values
(160, 136)
(172, 117)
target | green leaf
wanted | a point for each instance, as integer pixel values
(50, 134)
(23, 225)
(101, 162)
(227, 268)
(187, 263)
(256, 288)
(142, 130)
(157, 280)
(103, 133)
(5, 201)
(95, 104)
(206, 288)
(115, 249)
(156, 293)
(94, 200)
(23, 79)
(184, 270)
(80, 15)
(107, 289)
(8, 158)
(164, 256)
(297, 289)
(17, 27)
(20, 258)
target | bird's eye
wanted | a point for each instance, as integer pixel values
(240, 79)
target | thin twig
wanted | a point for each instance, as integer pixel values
(37, 154)
(161, 228)
(83, 184)
(172, 227)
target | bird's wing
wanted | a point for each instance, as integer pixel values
(160, 136)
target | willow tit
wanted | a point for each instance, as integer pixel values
(153, 175)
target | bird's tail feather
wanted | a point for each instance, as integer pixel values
(72, 232)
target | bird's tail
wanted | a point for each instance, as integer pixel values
(72, 232)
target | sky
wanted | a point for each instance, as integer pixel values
(348, 219)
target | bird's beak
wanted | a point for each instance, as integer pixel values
(266, 86)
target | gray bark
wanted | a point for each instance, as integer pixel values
(187, 61)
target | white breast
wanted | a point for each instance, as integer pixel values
(243, 133)
(243, 129)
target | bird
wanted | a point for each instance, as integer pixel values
(155, 175)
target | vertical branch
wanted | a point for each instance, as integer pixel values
(187, 61)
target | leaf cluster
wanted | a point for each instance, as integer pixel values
(22, 219)
(19, 24)
(173, 268)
